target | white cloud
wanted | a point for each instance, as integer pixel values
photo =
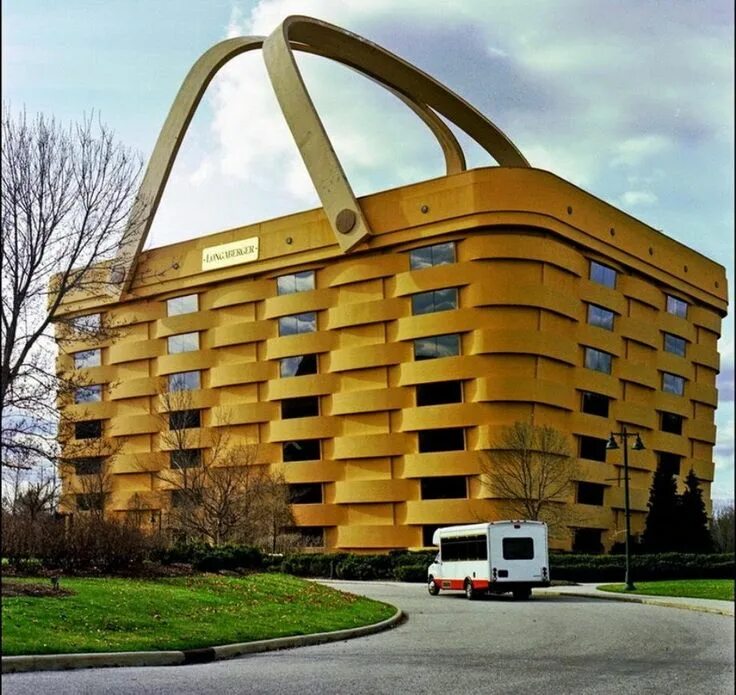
(636, 198)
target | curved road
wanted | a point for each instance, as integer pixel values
(549, 645)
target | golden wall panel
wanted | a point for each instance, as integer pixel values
(376, 537)
(702, 430)
(245, 332)
(360, 313)
(366, 356)
(320, 427)
(298, 303)
(370, 400)
(442, 463)
(304, 344)
(133, 388)
(294, 387)
(441, 512)
(317, 514)
(242, 373)
(355, 491)
(373, 445)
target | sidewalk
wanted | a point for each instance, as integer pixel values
(692, 604)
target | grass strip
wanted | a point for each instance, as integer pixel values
(721, 589)
(110, 614)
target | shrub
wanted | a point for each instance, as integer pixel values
(364, 567)
(411, 573)
(207, 558)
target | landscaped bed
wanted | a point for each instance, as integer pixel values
(687, 588)
(112, 614)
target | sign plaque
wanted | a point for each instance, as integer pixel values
(234, 253)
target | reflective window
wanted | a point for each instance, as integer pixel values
(670, 422)
(674, 344)
(298, 365)
(602, 274)
(185, 458)
(87, 358)
(298, 323)
(518, 549)
(88, 394)
(182, 305)
(676, 306)
(88, 429)
(305, 493)
(444, 487)
(598, 316)
(598, 360)
(671, 383)
(184, 419)
(427, 256)
(435, 300)
(595, 403)
(296, 282)
(90, 323)
(301, 450)
(590, 493)
(437, 346)
(446, 439)
(592, 448)
(184, 342)
(184, 381)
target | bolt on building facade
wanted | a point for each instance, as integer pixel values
(374, 378)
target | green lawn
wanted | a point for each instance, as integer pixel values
(690, 588)
(177, 613)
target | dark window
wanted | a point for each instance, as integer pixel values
(88, 465)
(89, 501)
(587, 540)
(444, 487)
(433, 301)
(427, 534)
(185, 458)
(465, 548)
(184, 381)
(182, 305)
(306, 406)
(296, 282)
(184, 419)
(184, 498)
(298, 323)
(602, 274)
(440, 392)
(518, 549)
(590, 493)
(309, 536)
(595, 403)
(592, 448)
(427, 256)
(676, 306)
(674, 344)
(88, 429)
(87, 358)
(671, 383)
(670, 422)
(88, 394)
(298, 365)
(305, 493)
(670, 463)
(301, 450)
(447, 439)
(598, 360)
(598, 316)
(184, 342)
(437, 346)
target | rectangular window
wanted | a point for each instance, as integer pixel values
(88, 429)
(671, 383)
(676, 306)
(89, 324)
(301, 450)
(184, 381)
(305, 406)
(670, 422)
(465, 548)
(182, 498)
(187, 304)
(184, 419)
(437, 346)
(298, 323)
(595, 403)
(598, 316)
(674, 344)
(587, 540)
(185, 458)
(184, 342)
(87, 358)
(444, 487)
(592, 448)
(299, 365)
(433, 301)
(428, 534)
(305, 493)
(88, 394)
(669, 463)
(518, 549)
(446, 439)
(296, 282)
(440, 392)
(88, 465)
(602, 274)
(90, 501)
(590, 493)
(598, 360)
(428, 256)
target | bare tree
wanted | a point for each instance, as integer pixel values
(723, 527)
(67, 195)
(531, 470)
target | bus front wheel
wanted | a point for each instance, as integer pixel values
(432, 587)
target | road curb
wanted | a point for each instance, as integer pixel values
(647, 600)
(62, 662)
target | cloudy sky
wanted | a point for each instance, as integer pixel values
(631, 100)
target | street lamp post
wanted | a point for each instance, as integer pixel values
(638, 445)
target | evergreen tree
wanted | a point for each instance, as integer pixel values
(662, 528)
(693, 519)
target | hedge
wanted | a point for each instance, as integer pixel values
(207, 558)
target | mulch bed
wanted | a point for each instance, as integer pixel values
(11, 588)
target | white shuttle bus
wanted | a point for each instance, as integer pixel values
(494, 557)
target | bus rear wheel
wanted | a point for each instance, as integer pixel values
(522, 594)
(470, 592)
